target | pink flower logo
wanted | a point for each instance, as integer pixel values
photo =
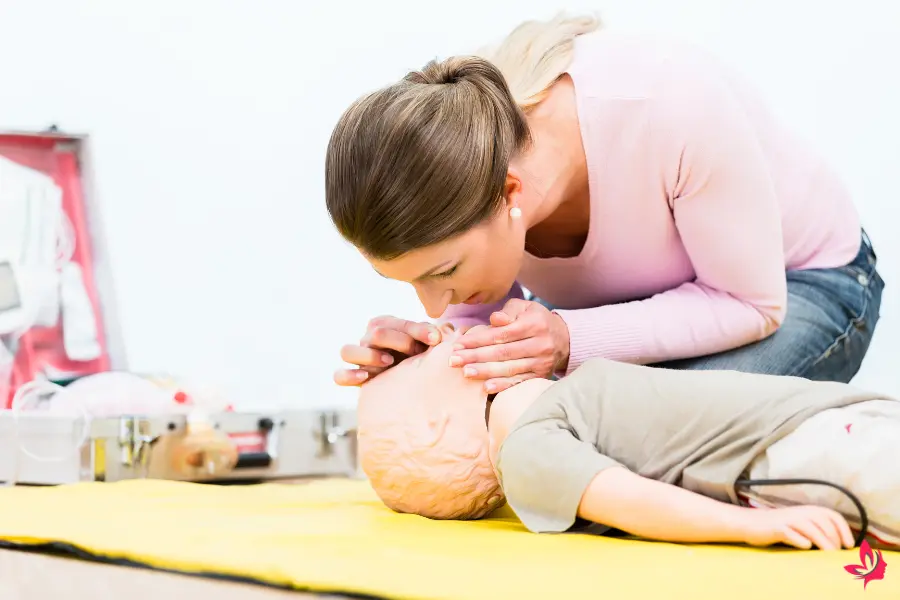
(871, 567)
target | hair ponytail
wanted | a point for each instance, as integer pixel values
(534, 55)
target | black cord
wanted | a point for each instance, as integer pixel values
(863, 517)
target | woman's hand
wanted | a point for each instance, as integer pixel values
(388, 340)
(525, 341)
(799, 526)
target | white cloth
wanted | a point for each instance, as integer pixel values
(856, 447)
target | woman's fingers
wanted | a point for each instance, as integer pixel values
(351, 377)
(526, 348)
(495, 386)
(499, 370)
(501, 319)
(393, 340)
(366, 356)
(515, 331)
(511, 311)
(426, 333)
(387, 341)
(390, 340)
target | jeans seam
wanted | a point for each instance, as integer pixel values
(845, 335)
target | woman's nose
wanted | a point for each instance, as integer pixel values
(434, 302)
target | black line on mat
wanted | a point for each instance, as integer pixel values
(63, 549)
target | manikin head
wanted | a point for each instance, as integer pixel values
(423, 439)
(425, 176)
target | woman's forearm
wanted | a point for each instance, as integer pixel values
(688, 321)
(654, 510)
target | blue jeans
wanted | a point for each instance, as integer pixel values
(831, 316)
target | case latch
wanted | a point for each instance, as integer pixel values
(135, 439)
(329, 433)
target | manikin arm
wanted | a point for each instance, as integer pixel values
(655, 510)
(652, 509)
(545, 455)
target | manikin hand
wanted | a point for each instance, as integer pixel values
(388, 340)
(799, 526)
(525, 341)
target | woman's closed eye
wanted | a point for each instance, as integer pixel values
(448, 273)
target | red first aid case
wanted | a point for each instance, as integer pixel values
(40, 352)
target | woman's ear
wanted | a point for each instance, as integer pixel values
(512, 189)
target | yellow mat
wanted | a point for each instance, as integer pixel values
(335, 536)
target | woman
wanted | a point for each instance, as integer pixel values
(646, 197)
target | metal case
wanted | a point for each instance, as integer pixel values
(58, 450)
(276, 445)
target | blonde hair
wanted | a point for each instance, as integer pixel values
(537, 53)
(426, 158)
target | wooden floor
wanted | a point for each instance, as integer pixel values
(26, 576)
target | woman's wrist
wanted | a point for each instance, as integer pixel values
(561, 343)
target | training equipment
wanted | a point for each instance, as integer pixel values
(57, 305)
(39, 447)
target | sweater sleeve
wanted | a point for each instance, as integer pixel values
(724, 206)
(465, 315)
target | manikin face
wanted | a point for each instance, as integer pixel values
(423, 440)
(426, 385)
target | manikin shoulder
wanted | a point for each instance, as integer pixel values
(511, 404)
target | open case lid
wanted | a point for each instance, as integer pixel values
(79, 333)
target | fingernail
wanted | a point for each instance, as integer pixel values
(387, 359)
(457, 347)
(455, 361)
(470, 372)
(490, 387)
(433, 338)
(361, 375)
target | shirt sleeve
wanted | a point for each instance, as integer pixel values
(544, 470)
(465, 315)
(725, 209)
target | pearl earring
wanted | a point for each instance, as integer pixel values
(515, 212)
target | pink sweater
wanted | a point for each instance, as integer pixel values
(700, 201)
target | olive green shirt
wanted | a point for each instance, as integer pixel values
(696, 429)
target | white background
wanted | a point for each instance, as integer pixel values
(210, 118)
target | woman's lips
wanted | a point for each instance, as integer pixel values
(473, 299)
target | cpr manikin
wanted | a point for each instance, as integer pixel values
(661, 454)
